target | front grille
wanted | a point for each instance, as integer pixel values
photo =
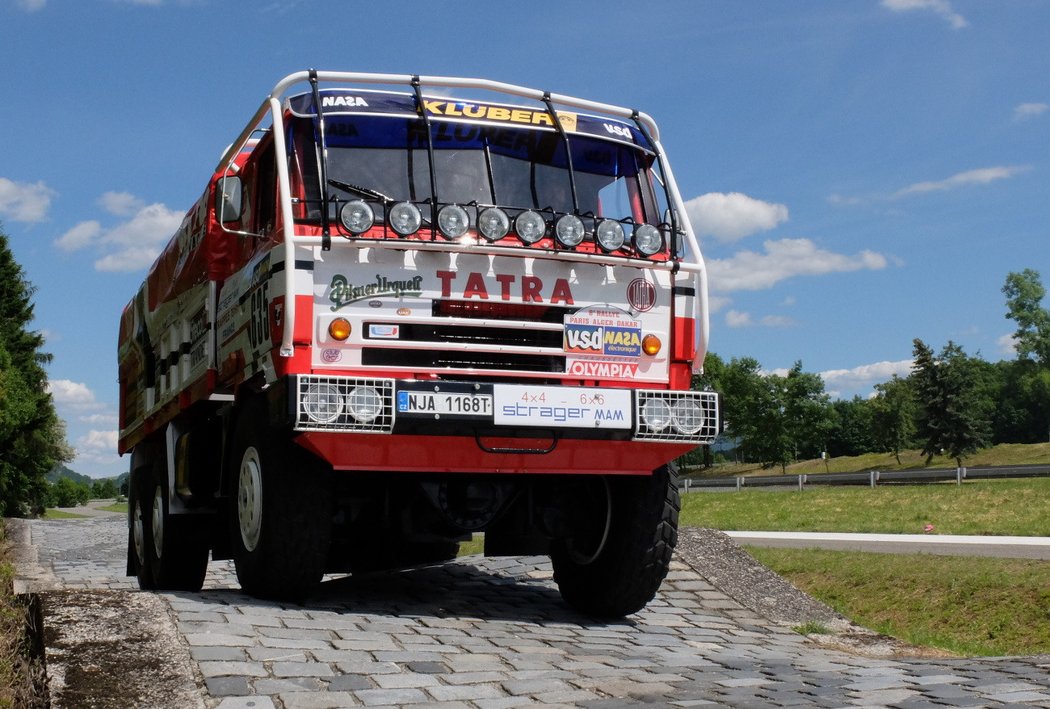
(433, 359)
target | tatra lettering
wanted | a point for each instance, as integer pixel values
(530, 289)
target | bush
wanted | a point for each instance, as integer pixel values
(66, 493)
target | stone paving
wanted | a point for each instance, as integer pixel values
(493, 633)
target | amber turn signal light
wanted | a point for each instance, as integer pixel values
(651, 345)
(339, 329)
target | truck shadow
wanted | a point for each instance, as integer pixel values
(455, 589)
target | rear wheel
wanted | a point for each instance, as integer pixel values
(139, 528)
(175, 546)
(615, 564)
(281, 511)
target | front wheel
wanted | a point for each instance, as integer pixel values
(617, 567)
(280, 514)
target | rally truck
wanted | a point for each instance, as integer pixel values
(396, 318)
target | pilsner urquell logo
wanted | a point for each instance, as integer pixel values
(342, 292)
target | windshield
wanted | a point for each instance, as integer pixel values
(386, 158)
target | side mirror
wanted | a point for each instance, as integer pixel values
(228, 199)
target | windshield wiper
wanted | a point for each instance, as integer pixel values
(359, 191)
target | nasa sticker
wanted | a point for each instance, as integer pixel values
(641, 294)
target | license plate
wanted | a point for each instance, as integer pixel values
(443, 403)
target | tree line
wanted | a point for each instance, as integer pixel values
(32, 436)
(951, 403)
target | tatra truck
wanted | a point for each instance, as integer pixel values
(395, 319)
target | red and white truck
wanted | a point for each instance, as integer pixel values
(395, 319)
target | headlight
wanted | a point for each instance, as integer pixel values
(364, 404)
(493, 224)
(530, 226)
(357, 216)
(322, 402)
(609, 234)
(569, 230)
(647, 239)
(405, 218)
(453, 221)
(687, 416)
(656, 414)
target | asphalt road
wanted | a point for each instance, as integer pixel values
(1004, 547)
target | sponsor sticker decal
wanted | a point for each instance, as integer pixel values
(331, 355)
(603, 331)
(383, 332)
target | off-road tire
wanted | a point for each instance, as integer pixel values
(625, 575)
(176, 545)
(280, 511)
(139, 538)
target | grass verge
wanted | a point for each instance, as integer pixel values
(983, 507)
(969, 606)
(21, 677)
(59, 514)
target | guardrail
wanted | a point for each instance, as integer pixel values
(871, 478)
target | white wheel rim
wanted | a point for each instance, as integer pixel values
(249, 498)
(138, 533)
(157, 520)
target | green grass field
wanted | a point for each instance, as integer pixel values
(966, 605)
(993, 507)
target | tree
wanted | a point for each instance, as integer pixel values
(774, 418)
(852, 429)
(32, 439)
(893, 413)
(952, 415)
(1024, 295)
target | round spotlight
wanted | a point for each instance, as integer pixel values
(493, 223)
(357, 216)
(609, 234)
(656, 414)
(647, 239)
(530, 226)
(322, 403)
(364, 404)
(569, 230)
(687, 416)
(453, 221)
(405, 218)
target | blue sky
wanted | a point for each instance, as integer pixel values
(860, 172)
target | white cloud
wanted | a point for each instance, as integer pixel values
(24, 202)
(122, 204)
(863, 377)
(72, 394)
(99, 419)
(731, 217)
(130, 245)
(1007, 345)
(82, 235)
(941, 7)
(783, 259)
(31, 5)
(981, 176)
(1025, 111)
(98, 441)
(736, 319)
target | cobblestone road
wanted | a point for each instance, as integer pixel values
(488, 633)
